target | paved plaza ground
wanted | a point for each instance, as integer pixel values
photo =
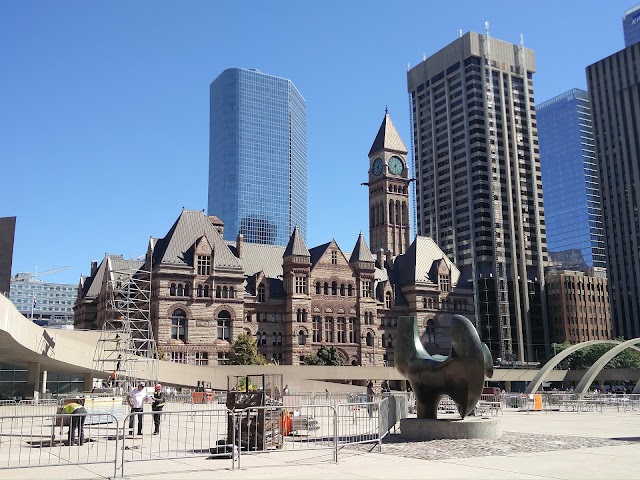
(540, 445)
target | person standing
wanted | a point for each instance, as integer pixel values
(76, 422)
(158, 404)
(136, 400)
(370, 397)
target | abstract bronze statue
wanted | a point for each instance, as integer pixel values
(460, 375)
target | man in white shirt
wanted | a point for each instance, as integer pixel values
(136, 400)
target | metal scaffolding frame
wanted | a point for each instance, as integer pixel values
(126, 350)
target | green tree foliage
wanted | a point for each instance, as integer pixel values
(325, 356)
(583, 359)
(245, 352)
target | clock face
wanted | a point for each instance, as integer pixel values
(377, 166)
(396, 166)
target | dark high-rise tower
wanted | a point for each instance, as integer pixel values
(258, 156)
(614, 88)
(478, 183)
(631, 26)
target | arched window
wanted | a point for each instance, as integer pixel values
(334, 288)
(248, 316)
(318, 287)
(262, 293)
(302, 339)
(199, 291)
(263, 339)
(258, 337)
(206, 291)
(186, 290)
(224, 325)
(326, 288)
(342, 289)
(180, 290)
(298, 315)
(430, 332)
(172, 290)
(274, 338)
(387, 299)
(218, 292)
(430, 303)
(225, 292)
(350, 290)
(179, 325)
(304, 315)
(279, 338)
(369, 339)
(232, 292)
(384, 340)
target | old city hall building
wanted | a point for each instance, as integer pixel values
(293, 299)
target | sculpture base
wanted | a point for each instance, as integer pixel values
(420, 429)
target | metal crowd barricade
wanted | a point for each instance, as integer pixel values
(183, 434)
(275, 428)
(43, 441)
(358, 422)
(8, 408)
(37, 407)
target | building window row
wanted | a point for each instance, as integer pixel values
(334, 289)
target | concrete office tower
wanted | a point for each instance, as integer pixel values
(478, 184)
(257, 156)
(631, 26)
(614, 90)
(575, 237)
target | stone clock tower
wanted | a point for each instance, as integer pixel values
(389, 225)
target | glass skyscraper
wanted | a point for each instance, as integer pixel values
(631, 26)
(570, 178)
(257, 156)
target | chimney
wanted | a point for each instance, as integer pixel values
(217, 224)
(390, 258)
(381, 258)
(239, 243)
(94, 268)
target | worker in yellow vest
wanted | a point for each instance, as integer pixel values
(76, 421)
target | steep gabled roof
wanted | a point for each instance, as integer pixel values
(317, 252)
(388, 138)
(417, 265)
(92, 285)
(188, 228)
(257, 257)
(296, 245)
(361, 252)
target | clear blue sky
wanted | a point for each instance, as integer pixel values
(104, 107)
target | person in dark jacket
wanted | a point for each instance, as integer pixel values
(158, 404)
(77, 421)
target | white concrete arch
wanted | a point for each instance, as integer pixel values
(591, 374)
(553, 362)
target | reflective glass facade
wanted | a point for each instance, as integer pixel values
(257, 156)
(631, 26)
(570, 177)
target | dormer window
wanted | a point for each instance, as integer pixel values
(334, 257)
(204, 264)
(387, 300)
(262, 293)
(445, 282)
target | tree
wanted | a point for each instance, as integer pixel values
(244, 351)
(325, 356)
(583, 359)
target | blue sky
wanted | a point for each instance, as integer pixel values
(104, 106)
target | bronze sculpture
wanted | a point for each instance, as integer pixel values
(460, 375)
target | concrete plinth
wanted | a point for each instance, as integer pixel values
(420, 429)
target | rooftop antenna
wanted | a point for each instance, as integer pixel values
(424, 56)
(486, 27)
(522, 40)
(408, 67)
(386, 110)
(460, 33)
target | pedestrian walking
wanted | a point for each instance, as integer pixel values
(76, 422)
(158, 404)
(136, 400)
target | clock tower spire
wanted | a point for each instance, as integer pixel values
(389, 226)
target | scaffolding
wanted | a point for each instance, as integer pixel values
(126, 350)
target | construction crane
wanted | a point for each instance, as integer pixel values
(27, 276)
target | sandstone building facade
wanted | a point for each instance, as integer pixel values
(206, 291)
